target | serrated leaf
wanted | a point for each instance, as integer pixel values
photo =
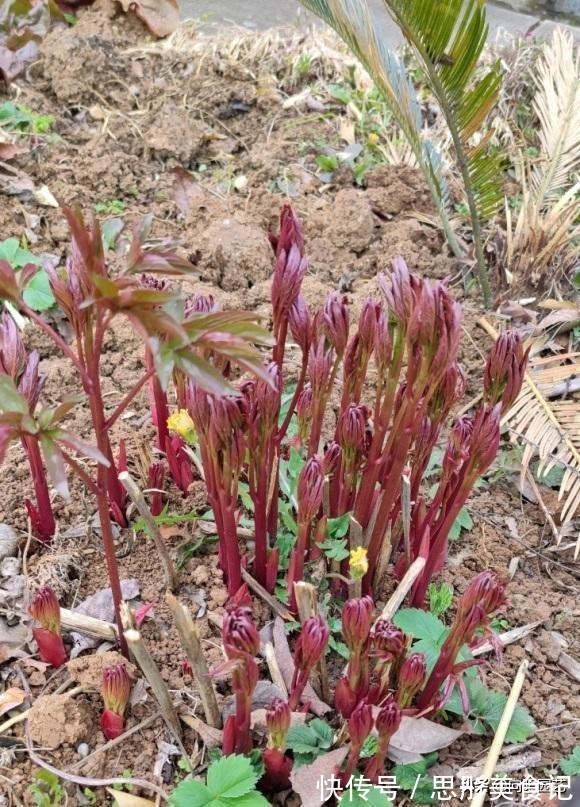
(38, 294)
(323, 731)
(302, 740)
(191, 793)
(522, 724)
(339, 647)
(338, 527)
(231, 777)
(420, 624)
(570, 765)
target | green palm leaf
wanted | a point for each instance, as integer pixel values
(448, 37)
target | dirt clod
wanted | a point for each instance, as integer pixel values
(87, 671)
(57, 720)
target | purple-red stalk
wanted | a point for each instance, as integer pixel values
(241, 643)
(310, 646)
(387, 724)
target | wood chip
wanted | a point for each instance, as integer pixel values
(570, 666)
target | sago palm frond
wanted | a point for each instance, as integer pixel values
(448, 37)
(550, 428)
(545, 228)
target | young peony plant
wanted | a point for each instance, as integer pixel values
(400, 380)
(91, 296)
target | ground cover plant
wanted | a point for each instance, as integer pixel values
(364, 470)
(217, 685)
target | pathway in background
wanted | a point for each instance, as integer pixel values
(260, 14)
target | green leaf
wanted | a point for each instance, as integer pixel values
(335, 548)
(12, 252)
(323, 731)
(419, 624)
(254, 799)
(302, 740)
(462, 522)
(10, 399)
(38, 294)
(339, 647)
(522, 724)
(231, 777)
(339, 527)
(570, 765)
(440, 598)
(191, 793)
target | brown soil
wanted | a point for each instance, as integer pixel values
(126, 117)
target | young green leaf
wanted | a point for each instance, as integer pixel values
(37, 293)
(231, 777)
(420, 624)
(462, 522)
(570, 765)
(440, 598)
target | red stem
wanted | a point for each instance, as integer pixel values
(47, 524)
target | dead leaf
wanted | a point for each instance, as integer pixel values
(160, 16)
(562, 320)
(15, 182)
(347, 131)
(10, 150)
(516, 311)
(185, 190)
(142, 611)
(421, 736)
(211, 737)
(286, 664)
(10, 699)
(100, 605)
(44, 197)
(128, 799)
(306, 779)
(263, 695)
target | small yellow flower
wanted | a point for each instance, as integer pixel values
(358, 563)
(373, 139)
(181, 423)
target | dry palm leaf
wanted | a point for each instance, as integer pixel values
(550, 429)
(545, 229)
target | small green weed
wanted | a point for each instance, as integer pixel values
(21, 120)
(46, 790)
(110, 207)
(230, 781)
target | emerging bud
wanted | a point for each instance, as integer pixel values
(331, 458)
(485, 590)
(291, 265)
(199, 304)
(367, 324)
(115, 689)
(383, 344)
(335, 321)
(278, 722)
(311, 643)
(45, 609)
(358, 563)
(351, 430)
(182, 424)
(309, 490)
(360, 724)
(240, 635)
(300, 324)
(12, 351)
(411, 678)
(504, 370)
(388, 719)
(388, 641)
(357, 615)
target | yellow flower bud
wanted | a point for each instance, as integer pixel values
(358, 563)
(181, 423)
(373, 139)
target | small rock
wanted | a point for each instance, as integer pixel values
(200, 575)
(10, 567)
(219, 596)
(8, 542)
(83, 750)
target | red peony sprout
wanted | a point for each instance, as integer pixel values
(115, 689)
(45, 609)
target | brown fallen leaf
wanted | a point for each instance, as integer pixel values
(286, 664)
(418, 735)
(211, 737)
(10, 699)
(307, 778)
(160, 16)
(185, 190)
(128, 799)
